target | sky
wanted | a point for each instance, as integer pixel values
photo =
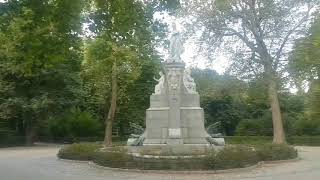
(190, 55)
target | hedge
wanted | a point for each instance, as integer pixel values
(82, 151)
(9, 141)
(304, 140)
(234, 156)
(293, 140)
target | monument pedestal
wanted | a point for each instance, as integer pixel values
(175, 116)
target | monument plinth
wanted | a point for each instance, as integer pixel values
(175, 116)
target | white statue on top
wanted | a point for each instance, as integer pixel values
(159, 88)
(176, 45)
(188, 82)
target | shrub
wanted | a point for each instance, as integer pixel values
(233, 157)
(304, 140)
(10, 140)
(255, 127)
(248, 139)
(114, 159)
(305, 126)
(272, 152)
(83, 151)
(236, 156)
(76, 124)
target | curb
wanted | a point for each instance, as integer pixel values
(73, 161)
(235, 170)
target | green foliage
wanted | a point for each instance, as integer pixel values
(230, 157)
(260, 140)
(222, 98)
(305, 58)
(254, 127)
(40, 56)
(304, 126)
(233, 157)
(82, 152)
(304, 140)
(76, 124)
(273, 152)
(248, 139)
(125, 36)
(114, 159)
(305, 67)
(11, 140)
(313, 102)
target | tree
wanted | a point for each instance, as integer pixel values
(123, 43)
(40, 56)
(222, 97)
(304, 64)
(259, 34)
(111, 70)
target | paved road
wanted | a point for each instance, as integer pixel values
(40, 163)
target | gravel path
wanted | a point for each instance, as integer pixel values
(40, 163)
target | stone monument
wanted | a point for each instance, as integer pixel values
(175, 116)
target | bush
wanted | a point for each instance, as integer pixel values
(248, 139)
(259, 140)
(236, 156)
(83, 151)
(114, 159)
(304, 140)
(304, 126)
(233, 157)
(10, 140)
(272, 152)
(255, 127)
(76, 124)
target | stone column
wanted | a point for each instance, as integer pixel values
(174, 74)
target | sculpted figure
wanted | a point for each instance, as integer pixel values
(159, 88)
(176, 46)
(189, 82)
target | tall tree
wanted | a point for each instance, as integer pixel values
(259, 34)
(123, 43)
(40, 55)
(222, 98)
(304, 64)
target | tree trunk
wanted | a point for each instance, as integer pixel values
(30, 135)
(278, 131)
(113, 106)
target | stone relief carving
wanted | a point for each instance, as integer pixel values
(188, 82)
(174, 80)
(159, 88)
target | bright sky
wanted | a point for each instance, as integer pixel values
(190, 55)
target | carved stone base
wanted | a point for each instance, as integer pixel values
(192, 129)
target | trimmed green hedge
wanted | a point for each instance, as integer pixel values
(293, 140)
(234, 156)
(248, 139)
(9, 141)
(82, 151)
(304, 140)
(271, 152)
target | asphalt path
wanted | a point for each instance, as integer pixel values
(41, 163)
